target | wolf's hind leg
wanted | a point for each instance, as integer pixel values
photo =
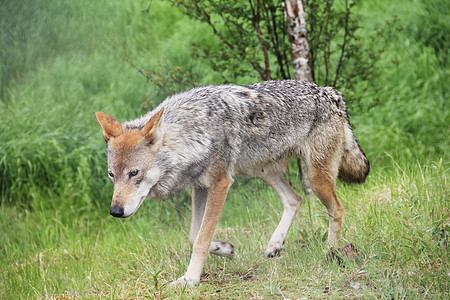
(304, 177)
(199, 196)
(291, 203)
(324, 186)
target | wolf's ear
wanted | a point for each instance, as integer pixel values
(151, 127)
(111, 127)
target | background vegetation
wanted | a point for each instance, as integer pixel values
(60, 61)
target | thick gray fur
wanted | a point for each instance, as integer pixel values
(246, 128)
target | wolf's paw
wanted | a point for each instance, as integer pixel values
(222, 248)
(184, 282)
(273, 249)
(343, 255)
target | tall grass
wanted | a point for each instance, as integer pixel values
(406, 111)
(63, 60)
(399, 223)
(50, 139)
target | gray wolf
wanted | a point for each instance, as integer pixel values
(205, 136)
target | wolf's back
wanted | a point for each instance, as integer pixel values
(257, 124)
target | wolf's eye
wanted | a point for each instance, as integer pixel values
(110, 174)
(133, 173)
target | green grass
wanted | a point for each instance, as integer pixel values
(60, 61)
(398, 221)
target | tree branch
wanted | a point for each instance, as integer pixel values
(344, 43)
(272, 29)
(357, 272)
(256, 21)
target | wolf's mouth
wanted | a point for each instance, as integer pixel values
(135, 210)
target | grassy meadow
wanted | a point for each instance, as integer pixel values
(60, 61)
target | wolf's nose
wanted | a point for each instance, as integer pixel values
(116, 211)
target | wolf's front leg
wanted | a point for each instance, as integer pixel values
(216, 196)
(199, 198)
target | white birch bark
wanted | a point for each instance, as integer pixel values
(296, 20)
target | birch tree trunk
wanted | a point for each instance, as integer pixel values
(296, 20)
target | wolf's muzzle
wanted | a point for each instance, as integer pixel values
(116, 211)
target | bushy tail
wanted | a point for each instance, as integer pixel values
(354, 166)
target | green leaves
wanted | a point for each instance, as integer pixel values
(239, 52)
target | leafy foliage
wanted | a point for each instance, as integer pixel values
(168, 80)
(253, 42)
(338, 55)
(244, 31)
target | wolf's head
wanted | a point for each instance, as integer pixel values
(131, 161)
